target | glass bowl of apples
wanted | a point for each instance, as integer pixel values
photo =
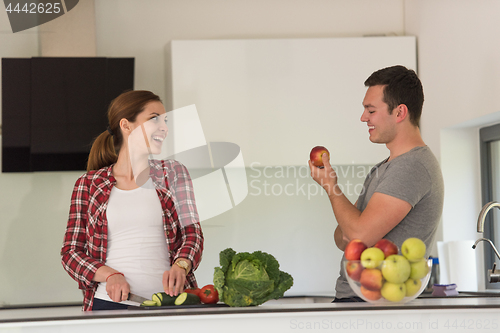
(382, 274)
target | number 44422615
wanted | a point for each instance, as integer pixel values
(34, 8)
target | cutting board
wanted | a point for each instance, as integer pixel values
(217, 305)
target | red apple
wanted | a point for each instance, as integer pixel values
(372, 295)
(353, 249)
(388, 247)
(354, 269)
(371, 279)
(316, 155)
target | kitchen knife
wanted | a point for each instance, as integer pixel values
(136, 298)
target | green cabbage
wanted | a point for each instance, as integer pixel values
(246, 279)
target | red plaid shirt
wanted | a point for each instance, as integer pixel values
(85, 241)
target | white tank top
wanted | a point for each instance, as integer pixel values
(136, 240)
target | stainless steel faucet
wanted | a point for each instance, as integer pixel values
(482, 214)
(494, 276)
(491, 243)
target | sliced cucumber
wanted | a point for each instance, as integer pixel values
(149, 303)
(163, 299)
(187, 299)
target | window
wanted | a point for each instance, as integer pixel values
(490, 187)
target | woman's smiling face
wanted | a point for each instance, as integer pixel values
(150, 129)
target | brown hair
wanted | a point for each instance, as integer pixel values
(106, 146)
(401, 86)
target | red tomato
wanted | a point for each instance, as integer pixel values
(209, 294)
(195, 291)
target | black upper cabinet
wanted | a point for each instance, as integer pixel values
(53, 108)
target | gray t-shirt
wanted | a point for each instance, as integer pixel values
(416, 178)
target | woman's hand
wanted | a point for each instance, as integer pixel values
(174, 279)
(117, 288)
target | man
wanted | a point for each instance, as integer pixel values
(402, 196)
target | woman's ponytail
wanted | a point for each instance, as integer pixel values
(102, 153)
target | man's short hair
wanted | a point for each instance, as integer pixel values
(401, 86)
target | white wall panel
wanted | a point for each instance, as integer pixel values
(278, 98)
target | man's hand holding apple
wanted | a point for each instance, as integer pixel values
(325, 176)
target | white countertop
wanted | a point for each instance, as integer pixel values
(55, 313)
(284, 315)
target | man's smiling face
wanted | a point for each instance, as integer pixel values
(381, 124)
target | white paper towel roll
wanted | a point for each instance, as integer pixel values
(461, 264)
(443, 263)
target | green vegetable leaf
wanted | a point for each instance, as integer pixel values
(225, 258)
(219, 281)
(249, 270)
(233, 298)
(258, 291)
(285, 283)
(270, 264)
(246, 279)
(237, 258)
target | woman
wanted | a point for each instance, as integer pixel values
(133, 225)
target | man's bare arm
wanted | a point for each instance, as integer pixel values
(340, 241)
(380, 216)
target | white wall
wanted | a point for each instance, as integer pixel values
(287, 95)
(70, 35)
(157, 22)
(459, 64)
(21, 44)
(459, 60)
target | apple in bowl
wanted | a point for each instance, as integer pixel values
(354, 249)
(353, 269)
(373, 287)
(380, 275)
(388, 247)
